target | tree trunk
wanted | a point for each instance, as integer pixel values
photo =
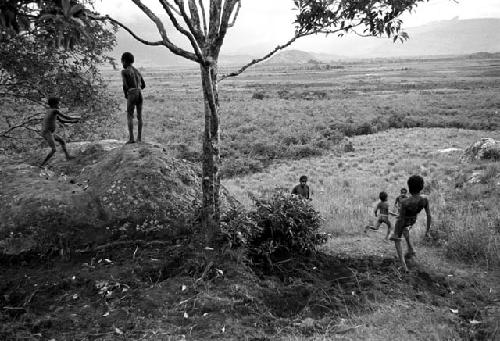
(210, 217)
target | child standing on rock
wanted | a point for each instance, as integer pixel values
(410, 208)
(133, 83)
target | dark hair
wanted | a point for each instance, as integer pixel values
(128, 58)
(415, 184)
(383, 196)
(303, 178)
(53, 101)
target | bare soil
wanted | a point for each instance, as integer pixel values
(161, 291)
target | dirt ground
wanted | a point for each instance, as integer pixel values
(350, 290)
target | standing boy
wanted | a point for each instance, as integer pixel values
(383, 215)
(410, 208)
(49, 127)
(133, 83)
(302, 189)
(403, 195)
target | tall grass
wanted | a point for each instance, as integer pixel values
(345, 188)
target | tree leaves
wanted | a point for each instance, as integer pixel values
(368, 17)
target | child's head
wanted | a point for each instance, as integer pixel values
(415, 184)
(383, 196)
(303, 179)
(403, 191)
(53, 102)
(127, 58)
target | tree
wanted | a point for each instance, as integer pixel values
(206, 30)
(49, 48)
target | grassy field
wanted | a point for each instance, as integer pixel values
(280, 112)
(278, 124)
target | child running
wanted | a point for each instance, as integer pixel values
(383, 215)
(49, 128)
(410, 208)
(403, 195)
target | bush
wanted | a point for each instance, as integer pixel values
(285, 225)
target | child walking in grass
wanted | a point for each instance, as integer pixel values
(382, 211)
(410, 208)
(403, 194)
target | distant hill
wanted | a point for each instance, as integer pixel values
(292, 57)
(449, 37)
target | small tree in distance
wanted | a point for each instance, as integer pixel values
(204, 23)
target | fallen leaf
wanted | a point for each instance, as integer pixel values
(106, 314)
(223, 329)
(206, 314)
(186, 315)
(118, 331)
(454, 311)
(474, 322)
(183, 288)
(75, 296)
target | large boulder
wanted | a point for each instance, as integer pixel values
(108, 188)
(484, 149)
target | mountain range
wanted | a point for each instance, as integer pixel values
(449, 37)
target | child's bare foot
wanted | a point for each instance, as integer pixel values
(69, 157)
(130, 142)
(410, 255)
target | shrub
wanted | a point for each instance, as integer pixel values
(286, 225)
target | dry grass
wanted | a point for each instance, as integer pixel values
(345, 188)
(304, 113)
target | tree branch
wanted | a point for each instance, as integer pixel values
(267, 56)
(283, 46)
(145, 42)
(195, 21)
(179, 28)
(231, 24)
(203, 14)
(215, 11)
(161, 29)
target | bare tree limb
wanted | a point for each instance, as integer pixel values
(259, 60)
(172, 7)
(193, 27)
(203, 15)
(214, 14)
(195, 20)
(166, 41)
(285, 45)
(181, 29)
(145, 42)
(227, 11)
(231, 24)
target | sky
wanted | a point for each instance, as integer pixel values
(265, 23)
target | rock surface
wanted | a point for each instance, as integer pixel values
(486, 148)
(107, 187)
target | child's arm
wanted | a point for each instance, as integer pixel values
(143, 83)
(66, 118)
(429, 218)
(376, 209)
(125, 86)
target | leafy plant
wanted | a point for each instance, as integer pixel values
(286, 225)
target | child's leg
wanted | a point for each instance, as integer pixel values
(398, 231)
(139, 118)
(389, 228)
(130, 117)
(411, 251)
(63, 146)
(48, 136)
(374, 228)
